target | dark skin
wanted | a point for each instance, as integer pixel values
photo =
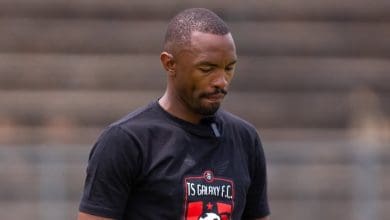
(197, 76)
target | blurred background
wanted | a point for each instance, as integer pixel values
(313, 77)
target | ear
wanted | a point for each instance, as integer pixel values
(168, 63)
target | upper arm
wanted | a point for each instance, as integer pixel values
(257, 199)
(85, 216)
(111, 169)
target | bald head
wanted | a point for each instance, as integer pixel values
(179, 30)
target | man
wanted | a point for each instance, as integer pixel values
(181, 157)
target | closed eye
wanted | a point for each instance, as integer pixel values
(230, 68)
(206, 69)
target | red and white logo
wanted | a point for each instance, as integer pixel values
(208, 197)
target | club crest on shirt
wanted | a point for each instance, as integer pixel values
(208, 197)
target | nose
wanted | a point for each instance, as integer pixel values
(221, 80)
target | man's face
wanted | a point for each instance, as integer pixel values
(204, 71)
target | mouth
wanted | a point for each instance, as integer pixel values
(215, 97)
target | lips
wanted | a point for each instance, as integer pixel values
(215, 97)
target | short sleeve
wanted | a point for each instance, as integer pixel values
(257, 199)
(112, 167)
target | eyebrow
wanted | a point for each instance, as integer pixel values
(206, 63)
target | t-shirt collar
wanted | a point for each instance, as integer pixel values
(209, 127)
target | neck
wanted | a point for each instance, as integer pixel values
(178, 109)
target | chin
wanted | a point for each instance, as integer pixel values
(209, 109)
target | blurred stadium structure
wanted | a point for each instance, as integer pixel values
(313, 76)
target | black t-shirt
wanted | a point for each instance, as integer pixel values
(152, 165)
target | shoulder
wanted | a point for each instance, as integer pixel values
(243, 132)
(123, 131)
(137, 127)
(140, 120)
(237, 123)
(142, 114)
